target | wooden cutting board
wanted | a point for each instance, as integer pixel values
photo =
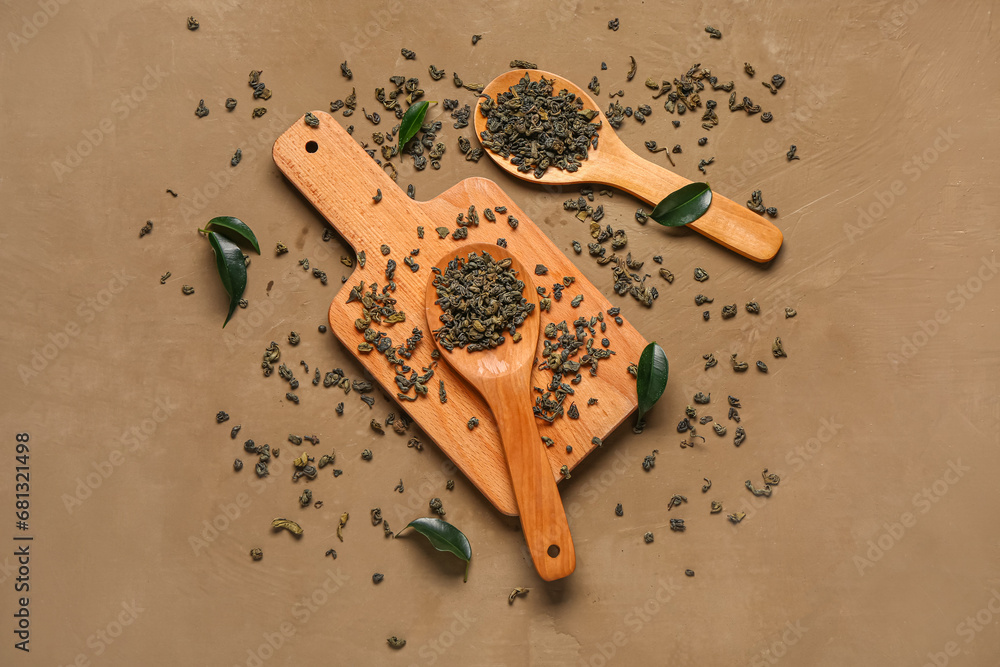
(338, 177)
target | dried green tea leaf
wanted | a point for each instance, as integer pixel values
(287, 524)
(515, 593)
(340, 526)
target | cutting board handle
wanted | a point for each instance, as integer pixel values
(343, 196)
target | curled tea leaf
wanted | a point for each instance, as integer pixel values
(515, 593)
(444, 537)
(287, 524)
(683, 206)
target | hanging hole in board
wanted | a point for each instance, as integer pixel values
(311, 147)
(553, 551)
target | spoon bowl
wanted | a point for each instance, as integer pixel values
(503, 376)
(615, 164)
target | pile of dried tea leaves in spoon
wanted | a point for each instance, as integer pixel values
(537, 128)
(481, 299)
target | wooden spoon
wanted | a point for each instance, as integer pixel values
(613, 163)
(503, 376)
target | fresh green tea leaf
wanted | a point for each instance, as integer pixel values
(231, 227)
(232, 269)
(651, 378)
(444, 537)
(683, 206)
(412, 120)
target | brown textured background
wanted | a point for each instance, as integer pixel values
(892, 106)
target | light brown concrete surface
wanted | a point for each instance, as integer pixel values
(879, 546)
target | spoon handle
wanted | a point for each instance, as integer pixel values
(543, 519)
(727, 223)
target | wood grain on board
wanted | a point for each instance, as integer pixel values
(340, 179)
